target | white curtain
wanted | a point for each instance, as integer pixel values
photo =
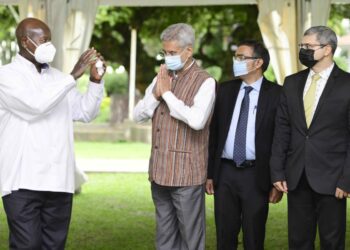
(78, 31)
(320, 10)
(71, 23)
(312, 13)
(277, 22)
(282, 24)
(32, 8)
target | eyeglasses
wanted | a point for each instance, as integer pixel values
(243, 58)
(311, 46)
(162, 54)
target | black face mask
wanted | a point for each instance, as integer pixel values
(306, 57)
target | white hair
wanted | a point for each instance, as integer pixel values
(181, 32)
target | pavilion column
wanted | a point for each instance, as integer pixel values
(132, 72)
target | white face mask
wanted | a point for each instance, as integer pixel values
(44, 53)
(240, 68)
(174, 62)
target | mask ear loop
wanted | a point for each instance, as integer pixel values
(249, 69)
(255, 60)
(28, 49)
(36, 46)
(186, 61)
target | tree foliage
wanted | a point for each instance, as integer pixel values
(8, 24)
(7, 35)
(337, 14)
(217, 28)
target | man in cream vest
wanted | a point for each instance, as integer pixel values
(179, 101)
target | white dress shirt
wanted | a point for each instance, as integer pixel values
(36, 126)
(321, 84)
(195, 116)
(250, 138)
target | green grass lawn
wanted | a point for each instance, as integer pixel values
(108, 150)
(115, 211)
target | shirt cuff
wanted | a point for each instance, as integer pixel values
(167, 96)
(97, 84)
(151, 102)
(96, 88)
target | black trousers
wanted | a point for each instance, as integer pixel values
(239, 203)
(38, 220)
(306, 210)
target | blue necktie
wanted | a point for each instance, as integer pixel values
(239, 151)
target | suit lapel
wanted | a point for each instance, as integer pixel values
(231, 102)
(262, 104)
(300, 96)
(327, 90)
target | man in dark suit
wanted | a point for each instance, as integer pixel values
(311, 147)
(239, 150)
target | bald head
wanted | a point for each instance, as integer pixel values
(34, 28)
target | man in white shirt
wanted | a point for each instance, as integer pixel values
(38, 104)
(179, 101)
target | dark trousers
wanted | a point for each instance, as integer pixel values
(306, 210)
(38, 220)
(239, 202)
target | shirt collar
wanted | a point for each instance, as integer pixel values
(256, 85)
(29, 64)
(324, 73)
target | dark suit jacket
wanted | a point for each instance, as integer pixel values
(265, 118)
(323, 149)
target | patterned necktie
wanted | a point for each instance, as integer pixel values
(309, 99)
(239, 151)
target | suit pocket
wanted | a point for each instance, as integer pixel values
(180, 158)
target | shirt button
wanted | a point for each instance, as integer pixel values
(307, 137)
(162, 113)
(156, 147)
(158, 129)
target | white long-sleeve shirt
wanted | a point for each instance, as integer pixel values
(195, 116)
(37, 111)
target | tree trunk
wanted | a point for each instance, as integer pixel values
(119, 108)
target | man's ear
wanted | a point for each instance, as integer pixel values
(328, 50)
(189, 50)
(24, 40)
(259, 63)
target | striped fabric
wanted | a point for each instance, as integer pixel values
(179, 153)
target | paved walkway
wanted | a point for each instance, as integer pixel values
(112, 165)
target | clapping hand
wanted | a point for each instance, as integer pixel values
(89, 59)
(85, 60)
